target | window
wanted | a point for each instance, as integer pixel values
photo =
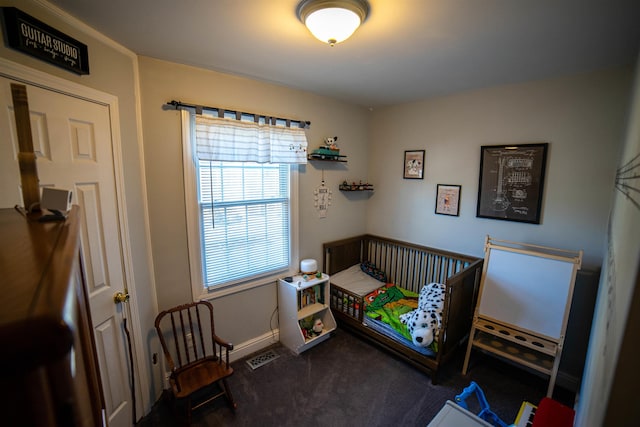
(244, 217)
(241, 217)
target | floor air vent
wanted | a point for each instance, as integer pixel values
(262, 359)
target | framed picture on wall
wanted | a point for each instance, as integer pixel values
(448, 199)
(511, 182)
(414, 164)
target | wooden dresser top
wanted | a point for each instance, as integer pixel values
(37, 263)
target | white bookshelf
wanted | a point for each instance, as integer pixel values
(299, 302)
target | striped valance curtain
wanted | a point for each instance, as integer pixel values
(220, 139)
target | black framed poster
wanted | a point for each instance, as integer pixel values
(511, 182)
(448, 199)
(413, 164)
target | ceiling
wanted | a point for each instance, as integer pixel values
(406, 50)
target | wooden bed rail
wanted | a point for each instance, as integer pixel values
(410, 266)
(462, 294)
(406, 264)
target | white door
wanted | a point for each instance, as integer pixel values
(72, 140)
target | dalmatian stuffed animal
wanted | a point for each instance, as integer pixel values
(425, 322)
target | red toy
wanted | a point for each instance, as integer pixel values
(553, 414)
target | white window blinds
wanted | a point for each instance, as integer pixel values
(243, 172)
(245, 220)
(238, 141)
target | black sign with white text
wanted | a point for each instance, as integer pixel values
(29, 35)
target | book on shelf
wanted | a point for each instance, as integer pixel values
(310, 295)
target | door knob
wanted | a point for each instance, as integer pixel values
(121, 297)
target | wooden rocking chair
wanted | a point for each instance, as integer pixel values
(188, 337)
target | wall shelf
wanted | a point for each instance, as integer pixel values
(327, 158)
(355, 187)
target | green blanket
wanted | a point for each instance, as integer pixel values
(386, 304)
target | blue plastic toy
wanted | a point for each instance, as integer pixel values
(485, 412)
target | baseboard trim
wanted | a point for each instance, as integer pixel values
(568, 381)
(254, 345)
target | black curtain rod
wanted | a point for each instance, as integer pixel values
(222, 111)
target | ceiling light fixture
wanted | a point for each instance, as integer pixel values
(332, 21)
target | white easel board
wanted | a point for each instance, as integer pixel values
(523, 306)
(527, 290)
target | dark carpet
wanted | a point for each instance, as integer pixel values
(346, 381)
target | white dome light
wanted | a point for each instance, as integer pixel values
(332, 21)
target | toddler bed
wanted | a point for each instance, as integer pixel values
(364, 267)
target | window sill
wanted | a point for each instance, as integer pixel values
(223, 291)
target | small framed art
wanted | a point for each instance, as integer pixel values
(414, 164)
(448, 199)
(511, 182)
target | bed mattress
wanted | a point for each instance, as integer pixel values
(355, 280)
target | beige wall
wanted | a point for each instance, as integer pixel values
(609, 393)
(112, 70)
(582, 118)
(246, 315)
